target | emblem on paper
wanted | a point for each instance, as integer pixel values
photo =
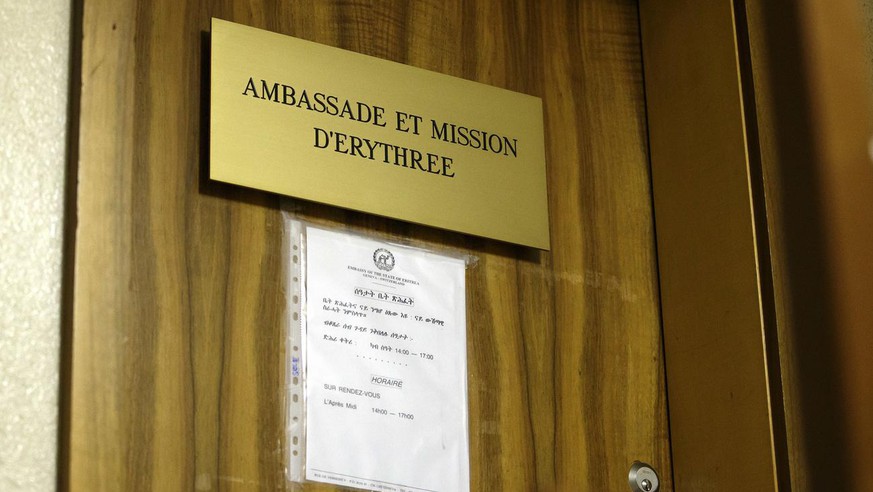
(383, 259)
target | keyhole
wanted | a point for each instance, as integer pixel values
(646, 485)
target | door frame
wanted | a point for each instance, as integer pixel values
(724, 391)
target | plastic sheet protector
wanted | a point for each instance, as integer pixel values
(384, 334)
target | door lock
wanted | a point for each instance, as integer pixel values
(643, 478)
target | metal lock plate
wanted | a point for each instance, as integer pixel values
(643, 478)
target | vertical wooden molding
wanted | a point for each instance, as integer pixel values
(711, 297)
(842, 122)
(105, 149)
(813, 107)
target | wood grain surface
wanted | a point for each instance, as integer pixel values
(813, 105)
(177, 361)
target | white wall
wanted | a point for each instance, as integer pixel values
(34, 64)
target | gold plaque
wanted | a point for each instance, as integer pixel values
(315, 122)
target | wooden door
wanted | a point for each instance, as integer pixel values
(175, 361)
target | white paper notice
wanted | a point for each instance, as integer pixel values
(386, 367)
